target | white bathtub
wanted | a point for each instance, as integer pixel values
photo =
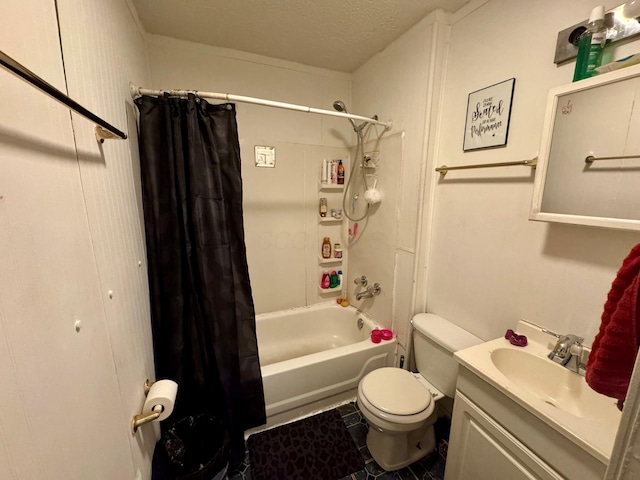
(314, 357)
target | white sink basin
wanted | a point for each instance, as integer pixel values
(552, 383)
(557, 396)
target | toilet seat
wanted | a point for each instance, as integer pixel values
(396, 395)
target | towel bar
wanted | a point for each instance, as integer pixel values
(526, 163)
(590, 159)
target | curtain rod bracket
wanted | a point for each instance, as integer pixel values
(103, 134)
(134, 90)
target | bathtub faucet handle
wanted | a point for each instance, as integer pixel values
(361, 281)
(371, 291)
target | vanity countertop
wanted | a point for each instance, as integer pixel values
(560, 398)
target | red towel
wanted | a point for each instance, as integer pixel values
(614, 350)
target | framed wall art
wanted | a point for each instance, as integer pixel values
(488, 115)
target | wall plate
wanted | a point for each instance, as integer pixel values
(265, 156)
(623, 24)
(567, 42)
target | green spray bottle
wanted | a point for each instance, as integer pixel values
(591, 45)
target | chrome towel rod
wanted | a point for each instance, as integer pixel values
(137, 91)
(590, 159)
(524, 163)
(103, 130)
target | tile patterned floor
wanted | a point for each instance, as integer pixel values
(429, 468)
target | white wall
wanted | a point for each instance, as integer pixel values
(70, 231)
(480, 262)
(488, 265)
(400, 83)
(372, 252)
(280, 204)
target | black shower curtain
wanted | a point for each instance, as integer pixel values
(203, 317)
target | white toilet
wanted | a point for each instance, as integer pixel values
(399, 406)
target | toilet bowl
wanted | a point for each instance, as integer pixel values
(400, 425)
(400, 406)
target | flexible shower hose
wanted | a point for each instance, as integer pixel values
(357, 160)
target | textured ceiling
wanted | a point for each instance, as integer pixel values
(336, 34)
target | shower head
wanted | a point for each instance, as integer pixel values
(341, 107)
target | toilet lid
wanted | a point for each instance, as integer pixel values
(395, 391)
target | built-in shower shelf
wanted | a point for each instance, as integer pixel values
(334, 228)
(328, 219)
(326, 261)
(337, 289)
(330, 187)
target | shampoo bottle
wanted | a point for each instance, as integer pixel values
(340, 173)
(334, 172)
(326, 280)
(333, 280)
(323, 207)
(591, 45)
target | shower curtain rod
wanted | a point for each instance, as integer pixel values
(136, 91)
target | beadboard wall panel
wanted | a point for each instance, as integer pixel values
(61, 414)
(103, 51)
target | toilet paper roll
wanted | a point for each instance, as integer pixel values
(162, 393)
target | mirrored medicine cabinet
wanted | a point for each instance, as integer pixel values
(589, 164)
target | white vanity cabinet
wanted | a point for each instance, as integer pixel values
(481, 449)
(495, 438)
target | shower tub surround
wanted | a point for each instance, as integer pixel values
(313, 358)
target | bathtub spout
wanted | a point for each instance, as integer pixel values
(371, 291)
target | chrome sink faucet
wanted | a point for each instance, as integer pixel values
(567, 352)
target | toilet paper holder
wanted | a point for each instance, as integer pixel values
(145, 417)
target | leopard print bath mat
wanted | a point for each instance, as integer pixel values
(315, 448)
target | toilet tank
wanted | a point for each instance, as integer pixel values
(434, 342)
